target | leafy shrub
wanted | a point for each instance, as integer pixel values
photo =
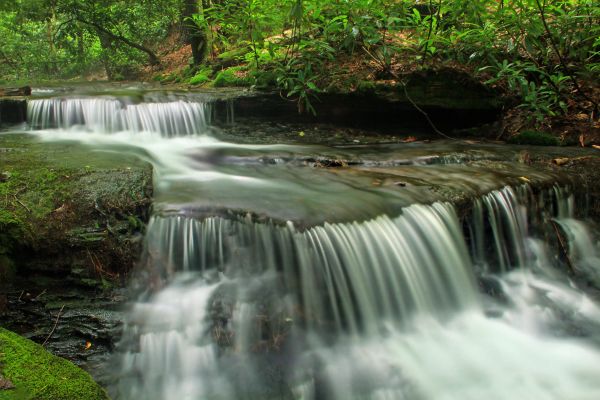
(534, 138)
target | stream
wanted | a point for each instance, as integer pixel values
(308, 261)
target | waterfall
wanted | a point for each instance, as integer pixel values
(358, 274)
(110, 115)
(387, 308)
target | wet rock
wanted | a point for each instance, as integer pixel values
(13, 110)
(452, 99)
(89, 315)
(69, 210)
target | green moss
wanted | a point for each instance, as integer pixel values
(38, 374)
(233, 55)
(534, 138)
(135, 224)
(199, 79)
(202, 76)
(234, 76)
(55, 196)
(169, 78)
(366, 87)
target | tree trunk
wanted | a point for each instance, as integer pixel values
(80, 44)
(194, 34)
(106, 45)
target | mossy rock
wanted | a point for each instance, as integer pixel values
(364, 87)
(62, 202)
(235, 54)
(534, 138)
(37, 374)
(234, 76)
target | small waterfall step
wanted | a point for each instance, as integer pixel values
(231, 308)
(110, 115)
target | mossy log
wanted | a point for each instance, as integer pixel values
(21, 91)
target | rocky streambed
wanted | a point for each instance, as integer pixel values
(74, 209)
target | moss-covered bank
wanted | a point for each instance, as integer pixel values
(37, 374)
(66, 209)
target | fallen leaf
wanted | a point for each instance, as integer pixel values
(88, 345)
(582, 140)
(409, 139)
(524, 178)
(60, 209)
(595, 146)
(560, 161)
(5, 384)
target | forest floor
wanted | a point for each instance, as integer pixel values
(352, 73)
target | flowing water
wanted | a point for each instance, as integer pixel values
(297, 271)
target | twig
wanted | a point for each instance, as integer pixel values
(54, 327)
(23, 205)
(436, 130)
(563, 247)
(21, 295)
(39, 295)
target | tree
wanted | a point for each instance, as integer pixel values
(194, 34)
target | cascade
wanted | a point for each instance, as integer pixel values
(110, 115)
(264, 279)
(382, 309)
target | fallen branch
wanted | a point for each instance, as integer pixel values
(436, 130)
(22, 204)
(55, 324)
(39, 295)
(563, 247)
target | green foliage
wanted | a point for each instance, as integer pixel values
(265, 79)
(67, 38)
(534, 138)
(366, 87)
(37, 374)
(201, 76)
(234, 76)
(543, 94)
(535, 49)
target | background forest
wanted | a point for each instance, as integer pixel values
(545, 53)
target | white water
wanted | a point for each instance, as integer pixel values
(102, 115)
(386, 308)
